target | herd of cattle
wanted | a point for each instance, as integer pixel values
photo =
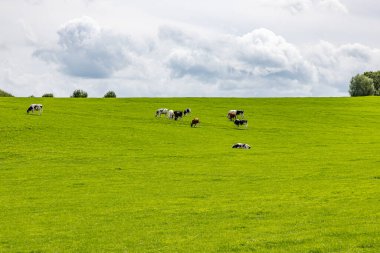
(237, 116)
(233, 115)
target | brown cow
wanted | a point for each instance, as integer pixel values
(194, 122)
(231, 115)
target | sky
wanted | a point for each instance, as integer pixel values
(198, 48)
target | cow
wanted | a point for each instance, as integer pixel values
(186, 111)
(237, 113)
(161, 111)
(231, 115)
(35, 107)
(178, 114)
(194, 122)
(240, 113)
(241, 145)
(241, 122)
(170, 114)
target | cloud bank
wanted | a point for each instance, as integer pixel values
(185, 62)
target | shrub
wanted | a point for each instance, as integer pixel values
(375, 76)
(79, 94)
(110, 94)
(48, 95)
(361, 85)
(5, 94)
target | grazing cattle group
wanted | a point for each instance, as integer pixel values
(171, 114)
(35, 107)
(233, 114)
(237, 116)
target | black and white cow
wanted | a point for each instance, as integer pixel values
(178, 115)
(241, 122)
(161, 111)
(240, 113)
(186, 111)
(241, 145)
(35, 107)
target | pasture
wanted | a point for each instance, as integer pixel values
(106, 175)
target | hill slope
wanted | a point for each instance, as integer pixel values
(5, 94)
(107, 176)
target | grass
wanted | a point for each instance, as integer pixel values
(100, 175)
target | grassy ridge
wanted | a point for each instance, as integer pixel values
(5, 94)
(100, 175)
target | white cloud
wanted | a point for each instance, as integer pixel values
(298, 6)
(242, 63)
(338, 63)
(258, 63)
(86, 50)
(335, 5)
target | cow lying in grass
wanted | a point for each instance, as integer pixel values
(241, 122)
(241, 145)
(35, 107)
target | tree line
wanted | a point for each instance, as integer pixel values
(76, 94)
(366, 84)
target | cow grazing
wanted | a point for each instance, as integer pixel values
(35, 107)
(170, 114)
(231, 115)
(236, 113)
(161, 111)
(241, 145)
(178, 115)
(241, 122)
(194, 122)
(186, 111)
(240, 113)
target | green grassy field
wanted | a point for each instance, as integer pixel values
(105, 175)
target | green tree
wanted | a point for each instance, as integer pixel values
(79, 94)
(48, 95)
(375, 76)
(361, 85)
(110, 94)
